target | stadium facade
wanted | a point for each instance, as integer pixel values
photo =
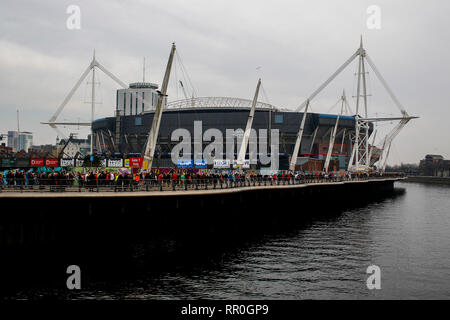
(127, 134)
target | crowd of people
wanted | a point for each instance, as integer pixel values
(165, 177)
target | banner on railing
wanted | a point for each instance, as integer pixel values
(115, 163)
(201, 163)
(221, 164)
(80, 162)
(36, 162)
(135, 162)
(245, 165)
(67, 162)
(103, 163)
(51, 162)
(184, 163)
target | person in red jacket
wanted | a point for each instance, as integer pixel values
(174, 177)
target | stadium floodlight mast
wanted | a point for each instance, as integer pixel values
(360, 158)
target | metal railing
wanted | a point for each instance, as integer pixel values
(178, 184)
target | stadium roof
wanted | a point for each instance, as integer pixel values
(219, 102)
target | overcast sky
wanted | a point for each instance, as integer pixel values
(225, 46)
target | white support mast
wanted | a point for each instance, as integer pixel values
(383, 167)
(153, 134)
(313, 139)
(343, 140)
(93, 106)
(388, 140)
(71, 93)
(244, 144)
(307, 101)
(373, 144)
(334, 75)
(361, 152)
(362, 125)
(94, 63)
(333, 136)
(358, 95)
(352, 156)
(299, 139)
(366, 123)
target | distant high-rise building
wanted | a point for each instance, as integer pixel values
(20, 140)
(131, 101)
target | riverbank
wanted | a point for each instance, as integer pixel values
(434, 180)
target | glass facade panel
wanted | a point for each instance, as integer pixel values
(278, 118)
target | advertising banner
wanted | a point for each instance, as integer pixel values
(201, 163)
(36, 162)
(221, 164)
(51, 162)
(136, 162)
(184, 163)
(115, 163)
(67, 162)
(245, 165)
(103, 162)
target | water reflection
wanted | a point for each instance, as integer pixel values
(318, 257)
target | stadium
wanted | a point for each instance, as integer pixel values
(301, 143)
(128, 133)
(317, 142)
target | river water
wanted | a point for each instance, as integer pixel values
(407, 236)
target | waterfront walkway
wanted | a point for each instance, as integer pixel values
(168, 188)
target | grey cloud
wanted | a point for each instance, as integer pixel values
(298, 44)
